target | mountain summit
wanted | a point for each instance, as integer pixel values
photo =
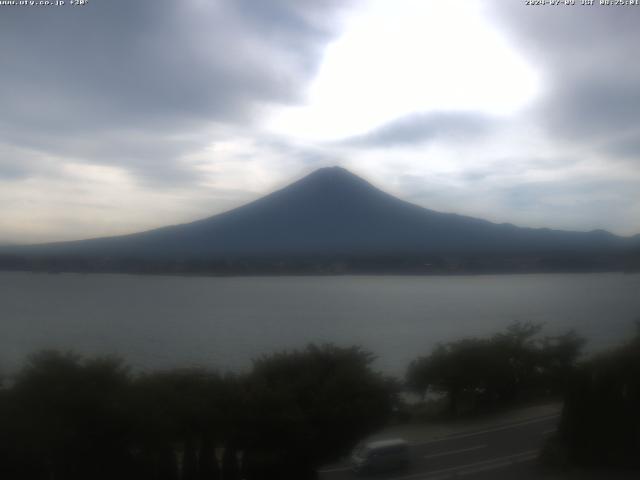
(332, 212)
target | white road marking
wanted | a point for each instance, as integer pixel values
(455, 437)
(548, 432)
(468, 469)
(331, 470)
(490, 430)
(453, 452)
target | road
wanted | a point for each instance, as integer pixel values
(503, 451)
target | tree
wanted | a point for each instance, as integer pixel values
(230, 470)
(313, 404)
(69, 418)
(558, 359)
(600, 422)
(499, 370)
(179, 414)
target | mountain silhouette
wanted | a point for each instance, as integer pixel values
(334, 212)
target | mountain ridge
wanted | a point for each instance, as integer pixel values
(332, 212)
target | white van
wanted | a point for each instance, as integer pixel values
(380, 456)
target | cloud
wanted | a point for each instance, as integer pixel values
(18, 164)
(10, 169)
(572, 200)
(121, 116)
(627, 148)
(420, 128)
(591, 77)
(121, 83)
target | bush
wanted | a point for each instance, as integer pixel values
(600, 422)
(482, 373)
(71, 418)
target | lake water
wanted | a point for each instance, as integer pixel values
(158, 322)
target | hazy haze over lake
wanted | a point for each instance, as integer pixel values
(157, 322)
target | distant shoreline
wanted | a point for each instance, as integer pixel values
(313, 273)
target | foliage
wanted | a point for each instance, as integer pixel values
(69, 417)
(66, 418)
(600, 422)
(326, 396)
(485, 372)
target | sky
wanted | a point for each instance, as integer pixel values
(120, 116)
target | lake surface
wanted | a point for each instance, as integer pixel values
(159, 322)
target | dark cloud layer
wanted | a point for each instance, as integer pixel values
(424, 127)
(591, 76)
(115, 82)
(173, 94)
(18, 164)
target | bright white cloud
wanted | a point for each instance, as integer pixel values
(159, 117)
(399, 57)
